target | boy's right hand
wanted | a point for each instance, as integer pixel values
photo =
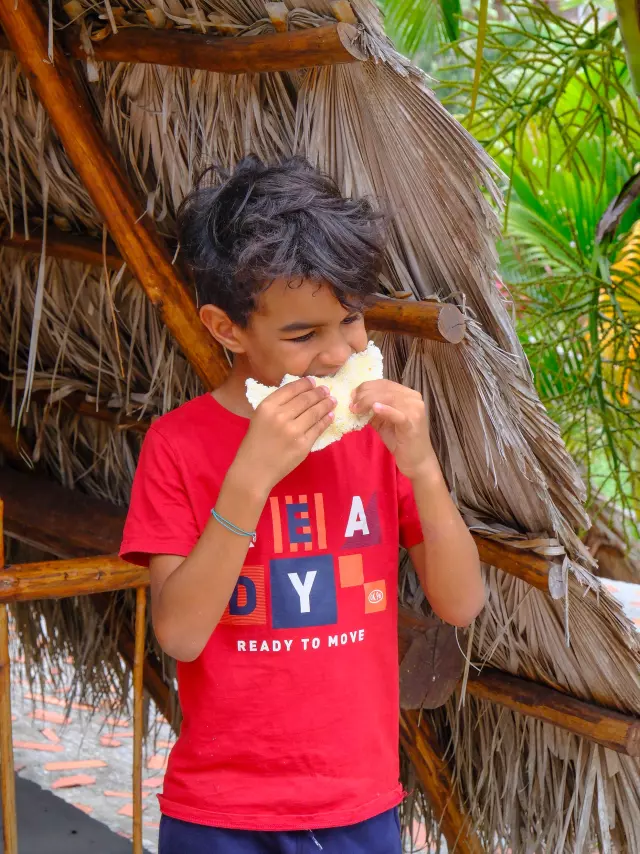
(282, 431)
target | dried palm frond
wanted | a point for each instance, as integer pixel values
(379, 130)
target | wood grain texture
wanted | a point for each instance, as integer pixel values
(424, 318)
(138, 721)
(285, 51)
(421, 745)
(57, 579)
(7, 772)
(62, 96)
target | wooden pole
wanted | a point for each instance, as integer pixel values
(604, 726)
(57, 579)
(424, 318)
(288, 51)
(421, 745)
(7, 773)
(11, 442)
(67, 247)
(59, 90)
(138, 724)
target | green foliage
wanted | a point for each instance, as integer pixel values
(418, 26)
(549, 95)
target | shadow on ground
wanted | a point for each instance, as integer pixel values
(49, 825)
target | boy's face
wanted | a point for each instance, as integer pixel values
(301, 330)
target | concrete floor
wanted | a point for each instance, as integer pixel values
(49, 825)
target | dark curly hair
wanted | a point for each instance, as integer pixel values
(240, 231)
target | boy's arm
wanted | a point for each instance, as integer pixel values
(189, 595)
(447, 562)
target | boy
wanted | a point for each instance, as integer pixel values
(273, 570)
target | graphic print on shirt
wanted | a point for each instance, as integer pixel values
(304, 588)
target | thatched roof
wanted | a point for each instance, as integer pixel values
(85, 332)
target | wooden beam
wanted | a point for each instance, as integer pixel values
(522, 563)
(63, 522)
(66, 246)
(424, 318)
(59, 579)
(604, 726)
(288, 51)
(333, 44)
(65, 101)
(421, 745)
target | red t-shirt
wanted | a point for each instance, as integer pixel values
(291, 710)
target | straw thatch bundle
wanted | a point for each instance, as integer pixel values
(375, 125)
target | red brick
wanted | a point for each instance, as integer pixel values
(75, 765)
(46, 746)
(152, 782)
(73, 780)
(164, 745)
(51, 734)
(154, 824)
(109, 741)
(157, 762)
(111, 794)
(46, 715)
(85, 808)
(119, 722)
(127, 809)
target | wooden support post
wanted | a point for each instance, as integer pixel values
(286, 51)
(59, 90)
(7, 773)
(138, 724)
(421, 745)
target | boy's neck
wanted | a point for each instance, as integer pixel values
(232, 393)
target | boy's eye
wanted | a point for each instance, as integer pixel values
(352, 318)
(302, 338)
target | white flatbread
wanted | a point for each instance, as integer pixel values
(359, 368)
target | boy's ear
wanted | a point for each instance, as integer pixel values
(221, 327)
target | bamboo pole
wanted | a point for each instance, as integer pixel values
(63, 98)
(421, 745)
(7, 773)
(287, 51)
(138, 734)
(424, 318)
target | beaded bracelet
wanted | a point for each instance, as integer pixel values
(231, 527)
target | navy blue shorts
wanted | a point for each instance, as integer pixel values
(379, 835)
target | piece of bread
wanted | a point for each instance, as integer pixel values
(359, 368)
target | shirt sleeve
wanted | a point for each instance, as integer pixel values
(408, 517)
(160, 518)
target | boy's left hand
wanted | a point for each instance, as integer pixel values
(400, 418)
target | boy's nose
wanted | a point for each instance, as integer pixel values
(332, 360)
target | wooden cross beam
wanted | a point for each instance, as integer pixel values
(333, 44)
(425, 318)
